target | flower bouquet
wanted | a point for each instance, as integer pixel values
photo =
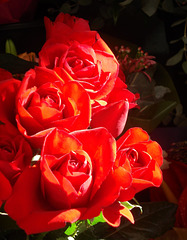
(67, 168)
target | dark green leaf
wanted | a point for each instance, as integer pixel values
(181, 21)
(168, 6)
(15, 64)
(157, 218)
(97, 23)
(176, 58)
(65, 8)
(150, 7)
(17, 234)
(54, 235)
(150, 116)
(184, 66)
(126, 2)
(184, 39)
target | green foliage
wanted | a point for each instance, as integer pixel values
(96, 220)
(176, 58)
(157, 218)
(130, 206)
(184, 66)
(71, 229)
(150, 7)
(10, 47)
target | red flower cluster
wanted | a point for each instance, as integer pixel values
(139, 63)
(69, 110)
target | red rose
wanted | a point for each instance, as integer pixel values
(82, 54)
(64, 24)
(72, 181)
(72, 49)
(45, 101)
(142, 158)
(15, 152)
(15, 156)
(8, 90)
(5, 188)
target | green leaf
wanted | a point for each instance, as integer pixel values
(178, 22)
(6, 223)
(97, 23)
(10, 47)
(184, 39)
(15, 64)
(157, 218)
(53, 235)
(65, 8)
(184, 66)
(71, 229)
(176, 58)
(97, 220)
(175, 41)
(150, 7)
(168, 6)
(126, 2)
(130, 206)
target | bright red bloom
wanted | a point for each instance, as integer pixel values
(142, 158)
(45, 101)
(73, 50)
(94, 67)
(8, 90)
(81, 53)
(111, 111)
(6, 188)
(15, 152)
(15, 156)
(64, 24)
(73, 180)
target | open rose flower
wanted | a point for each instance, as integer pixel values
(140, 156)
(78, 53)
(45, 101)
(82, 54)
(73, 180)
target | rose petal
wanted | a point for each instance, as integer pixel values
(5, 187)
(114, 212)
(132, 136)
(101, 148)
(113, 117)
